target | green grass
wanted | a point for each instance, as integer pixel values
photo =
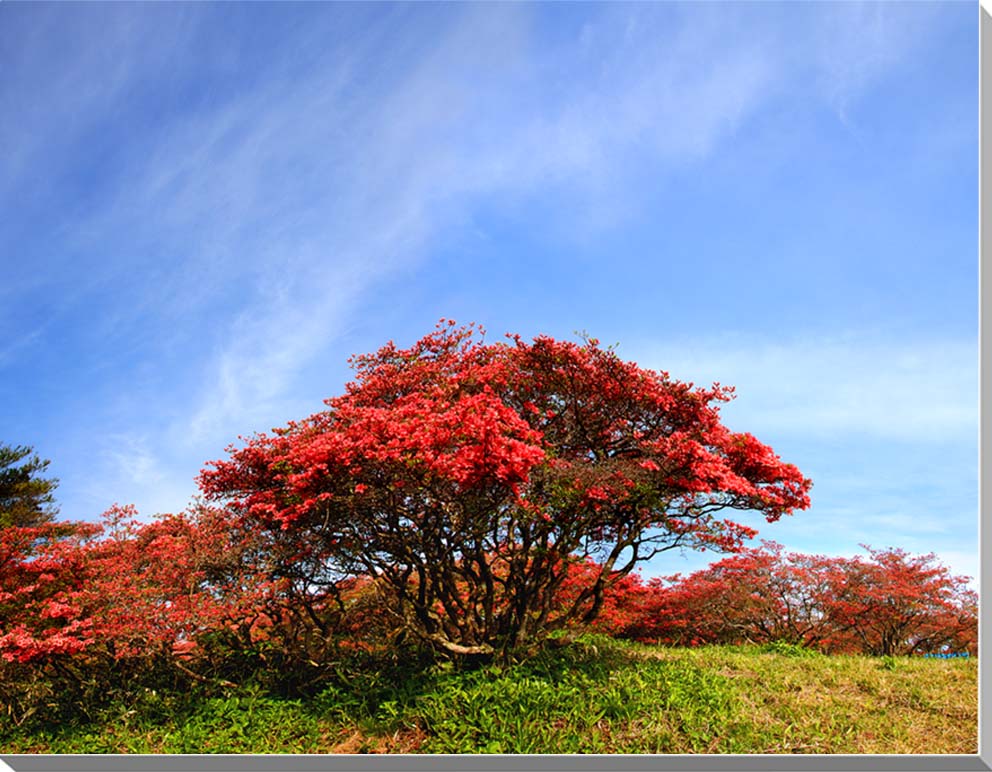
(597, 697)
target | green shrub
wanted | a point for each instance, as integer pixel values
(789, 649)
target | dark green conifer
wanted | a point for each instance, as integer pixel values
(26, 498)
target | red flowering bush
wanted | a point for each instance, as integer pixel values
(758, 596)
(43, 584)
(891, 603)
(468, 476)
(895, 604)
(623, 603)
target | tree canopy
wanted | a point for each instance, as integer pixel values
(467, 476)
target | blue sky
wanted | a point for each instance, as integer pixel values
(208, 207)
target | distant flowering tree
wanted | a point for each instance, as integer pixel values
(759, 595)
(895, 603)
(889, 603)
(468, 476)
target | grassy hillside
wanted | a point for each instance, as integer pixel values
(599, 697)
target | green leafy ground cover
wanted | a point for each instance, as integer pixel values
(596, 697)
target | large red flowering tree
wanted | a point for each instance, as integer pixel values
(467, 476)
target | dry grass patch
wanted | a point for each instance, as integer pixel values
(849, 704)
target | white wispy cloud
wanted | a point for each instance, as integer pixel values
(836, 386)
(301, 195)
(856, 43)
(406, 161)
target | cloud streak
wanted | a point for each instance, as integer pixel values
(854, 386)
